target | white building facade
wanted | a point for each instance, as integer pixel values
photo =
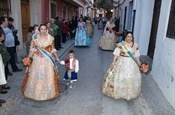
(153, 30)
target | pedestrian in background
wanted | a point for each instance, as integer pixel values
(30, 33)
(64, 30)
(108, 39)
(4, 58)
(81, 37)
(10, 45)
(55, 29)
(59, 32)
(50, 30)
(90, 28)
(15, 31)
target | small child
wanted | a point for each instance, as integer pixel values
(72, 68)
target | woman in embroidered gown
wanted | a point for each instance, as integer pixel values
(100, 24)
(108, 39)
(41, 79)
(90, 28)
(81, 37)
(123, 78)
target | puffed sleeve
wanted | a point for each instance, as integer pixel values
(137, 52)
(117, 50)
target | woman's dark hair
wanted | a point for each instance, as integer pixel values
(129, 32)
(10, 19)
(35, 25)
(47, 22)
(30, 29)
(39, 28)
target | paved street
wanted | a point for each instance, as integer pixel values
(85, 98)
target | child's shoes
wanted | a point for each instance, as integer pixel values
(70, 86)
(67, 83)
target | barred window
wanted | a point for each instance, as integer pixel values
(4, 8)
(171, 23)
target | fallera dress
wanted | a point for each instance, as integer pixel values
(124, 80)
(41, 78)
(81, 37)
(90, 29)
(108, 39)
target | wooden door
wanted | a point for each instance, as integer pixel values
(154, 28)
(25, 14)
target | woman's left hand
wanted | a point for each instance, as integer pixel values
(58, 60)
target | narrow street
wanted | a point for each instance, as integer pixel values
(85, 98)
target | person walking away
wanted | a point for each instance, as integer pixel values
(108, 39)
(90, 28)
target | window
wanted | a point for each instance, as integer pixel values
(53, 9)
(171, 23)
(64, 11)
(4, 8)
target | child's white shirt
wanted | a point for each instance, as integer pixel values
(71, 66)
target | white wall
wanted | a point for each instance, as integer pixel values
(163, 69)
(121, 13)
(143, 23)
(35, 14)
(16, 15)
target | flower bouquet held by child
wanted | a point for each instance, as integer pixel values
(72, 68)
